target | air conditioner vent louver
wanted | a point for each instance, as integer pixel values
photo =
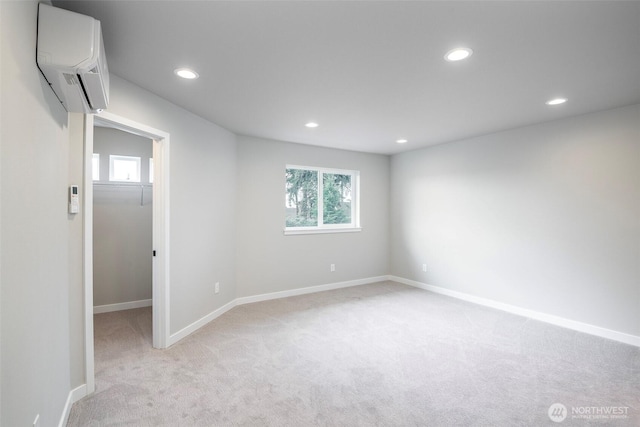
(70, 78)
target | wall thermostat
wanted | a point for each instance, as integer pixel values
(74, 199)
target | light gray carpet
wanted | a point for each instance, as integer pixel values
(375, 355)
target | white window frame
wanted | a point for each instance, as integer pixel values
(321, 228)
(114, 157)
(150, 170)
(95, 167)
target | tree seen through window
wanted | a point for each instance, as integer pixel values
(310, 191)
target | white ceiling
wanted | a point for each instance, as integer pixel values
(373, 72)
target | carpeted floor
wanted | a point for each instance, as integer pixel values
(375, 355)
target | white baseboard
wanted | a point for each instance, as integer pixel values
(187, 330)
(121, 306)
(74, 395)
(174, 338)
(309, 290)
(543, 317)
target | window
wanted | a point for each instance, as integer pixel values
(124, 168)
(321, 200)
(151, 170)
(95, 167)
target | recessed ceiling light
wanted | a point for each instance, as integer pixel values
(556, 101)
(401, 141)
(458, 54)
(186, 73)
(311, 125)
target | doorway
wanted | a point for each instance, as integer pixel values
(160, 230)
(122, 173)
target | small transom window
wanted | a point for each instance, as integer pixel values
(124, 168)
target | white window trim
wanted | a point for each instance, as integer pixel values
(114, 157)
(292, 231)
(354, 226)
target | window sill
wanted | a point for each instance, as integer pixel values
(293, 232)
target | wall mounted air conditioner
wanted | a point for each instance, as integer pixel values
(70, 55)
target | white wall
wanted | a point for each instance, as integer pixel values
(34, 231)
(122, 221)
(544, 217)
(41, 269)
(76, 253)
(267, 260)
(202, 201)
(202, 204)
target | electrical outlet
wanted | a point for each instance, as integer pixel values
(217, 287)
(332, 267)
(36, 422)
(424, 267)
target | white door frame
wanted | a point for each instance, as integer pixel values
(160, 239)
